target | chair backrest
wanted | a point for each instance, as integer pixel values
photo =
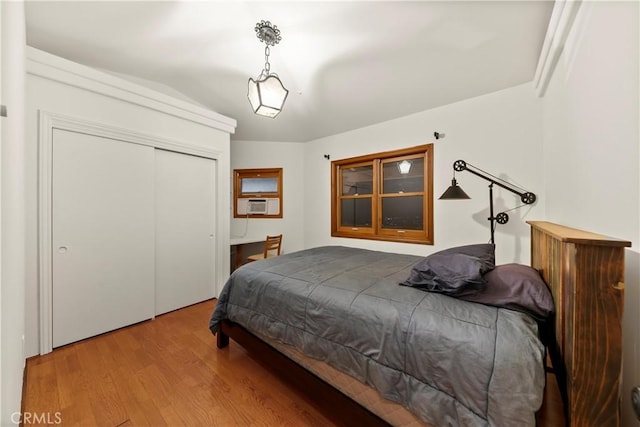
(272, 243)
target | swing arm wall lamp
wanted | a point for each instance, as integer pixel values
(456, 192)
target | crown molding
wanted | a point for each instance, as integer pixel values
(562, 18)
(43, 64)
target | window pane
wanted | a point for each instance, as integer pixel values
(356, 212)
(357, 180)
(259, 185)
(403, 176)
(402, 212)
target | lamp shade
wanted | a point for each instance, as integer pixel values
(267, 95)
(404, 167)
(454, 192)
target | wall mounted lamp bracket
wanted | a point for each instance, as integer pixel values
(455, 192)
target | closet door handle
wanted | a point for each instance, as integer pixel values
(63, 249)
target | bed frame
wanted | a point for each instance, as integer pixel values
(585, 272)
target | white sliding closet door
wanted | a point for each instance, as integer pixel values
(103, 235)
(185, 224)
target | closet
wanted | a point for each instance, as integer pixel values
(128, 206)
(185, 223)
(132, 233)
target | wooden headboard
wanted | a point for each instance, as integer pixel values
(585, 272)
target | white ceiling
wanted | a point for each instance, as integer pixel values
(347, 64)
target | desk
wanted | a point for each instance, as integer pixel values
(239, 242)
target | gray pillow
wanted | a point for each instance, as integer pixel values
(454, 271)
(517, 287)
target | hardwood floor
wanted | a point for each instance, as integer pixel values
(164, 372)
(167, 371)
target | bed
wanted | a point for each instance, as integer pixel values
(341, 322)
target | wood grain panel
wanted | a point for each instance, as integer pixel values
(162, 372)
(597, 335)
(585, 272)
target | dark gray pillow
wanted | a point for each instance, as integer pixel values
(517, 287)
(454, 271)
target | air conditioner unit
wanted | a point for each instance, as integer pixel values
(262, 206)
(257, 206)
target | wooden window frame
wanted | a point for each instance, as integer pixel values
(376, 231)
(239, 174)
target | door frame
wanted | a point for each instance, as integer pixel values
(49, 121)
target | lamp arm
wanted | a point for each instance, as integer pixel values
(526, 196)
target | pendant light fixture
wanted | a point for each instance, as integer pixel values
(404, 167)
(266, 93)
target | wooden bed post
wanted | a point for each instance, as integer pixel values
(585, 272)
(222, 339)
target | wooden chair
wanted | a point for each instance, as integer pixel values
(271, 248)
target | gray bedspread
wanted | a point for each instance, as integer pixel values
(451, 362)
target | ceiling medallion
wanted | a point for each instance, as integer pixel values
(268, 33)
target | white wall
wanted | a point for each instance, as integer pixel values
(59, 86)
(499, 133)
(12, 209)
(288, 156)
(591, 154)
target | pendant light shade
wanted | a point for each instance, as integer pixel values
(267, 95)
(454, 192)
(404, 167)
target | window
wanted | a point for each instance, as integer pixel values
(257, 193)
(384, 196)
